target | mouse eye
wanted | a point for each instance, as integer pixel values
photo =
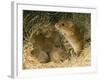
(62, 24)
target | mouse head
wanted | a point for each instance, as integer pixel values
(64, 26)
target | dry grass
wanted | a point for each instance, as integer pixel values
(39, 33)
(31, 62)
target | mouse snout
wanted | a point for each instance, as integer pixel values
(56, 26)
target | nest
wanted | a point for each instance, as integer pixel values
(41, 39)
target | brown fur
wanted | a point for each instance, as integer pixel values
(71, 33)
(57, 55)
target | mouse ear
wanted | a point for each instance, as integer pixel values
(70, 23)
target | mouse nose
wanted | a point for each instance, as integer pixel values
(56, 25)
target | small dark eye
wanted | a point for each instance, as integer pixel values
(62, 24)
